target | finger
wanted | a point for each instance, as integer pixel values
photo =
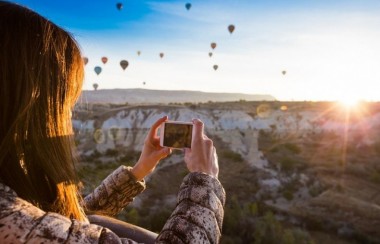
(198, 129)
(187, 152)
(209, 143)
(155, 126)
(164, 152)
(213, 153)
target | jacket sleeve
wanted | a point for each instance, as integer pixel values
(114, 193)
(22, 222)
(199, 213)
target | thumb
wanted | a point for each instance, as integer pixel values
(164, 152)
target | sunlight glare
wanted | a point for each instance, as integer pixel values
(349, 102)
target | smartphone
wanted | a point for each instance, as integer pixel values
(176, 134)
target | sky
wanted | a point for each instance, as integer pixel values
(329, 49)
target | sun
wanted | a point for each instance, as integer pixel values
(349, 102)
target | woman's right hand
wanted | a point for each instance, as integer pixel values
(202, 156)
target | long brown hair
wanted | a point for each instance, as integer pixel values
(41, 75)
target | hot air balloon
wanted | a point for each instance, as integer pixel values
(188, 6)
(124, 64)
(144, 83)
(95, 85)
(215, 67)
(283, 72)
(119, 6)
(210, 54)
(161, 55)
(213, 45)
(138, 53)
(231, 28)
(104, 60)
(85, 60)
(98, 70)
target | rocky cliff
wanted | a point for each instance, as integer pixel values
(296, 151)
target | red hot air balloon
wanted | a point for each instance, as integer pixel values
(231, 28)
(161, 55)
(124, 64)
(104, 60)
(213, 45)
(215, 67)
(85, 60)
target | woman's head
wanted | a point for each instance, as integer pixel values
(41, 74)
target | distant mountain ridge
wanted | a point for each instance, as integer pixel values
(146, 96)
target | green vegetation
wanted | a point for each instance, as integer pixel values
(270, 231)
(288, 164)
(292, 148)
(231, 155)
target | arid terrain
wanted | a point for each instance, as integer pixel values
(294, 172)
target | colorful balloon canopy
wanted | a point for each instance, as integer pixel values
(85, 60)
(124, 64)
(188, 6)
(231, 28)
(213, 45)
(104, 60)
(161, 55)
(215, 67)
(119, 6)
(98, 70)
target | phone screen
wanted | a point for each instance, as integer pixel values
(177, 135)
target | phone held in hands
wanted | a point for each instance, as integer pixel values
(176, 134)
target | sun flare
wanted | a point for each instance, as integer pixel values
(349, 102)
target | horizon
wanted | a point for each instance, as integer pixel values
(237, 93)
(294, 50)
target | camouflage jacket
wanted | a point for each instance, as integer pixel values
(197, 217)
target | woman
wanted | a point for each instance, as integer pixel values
(41, 74)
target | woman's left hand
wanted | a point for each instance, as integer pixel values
(151, 153)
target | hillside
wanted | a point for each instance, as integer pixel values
(145, 96)
(299, 169)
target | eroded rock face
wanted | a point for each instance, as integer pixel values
(104, 127)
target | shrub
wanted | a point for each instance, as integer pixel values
(270, 230)
(111, 153)
(315, 190)
(130, 215)
(288, 164)
(130, 157)
(292, 148)
(287, 194)
(234, 156)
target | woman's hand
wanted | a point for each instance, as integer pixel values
(202, 156)
(151, 153)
